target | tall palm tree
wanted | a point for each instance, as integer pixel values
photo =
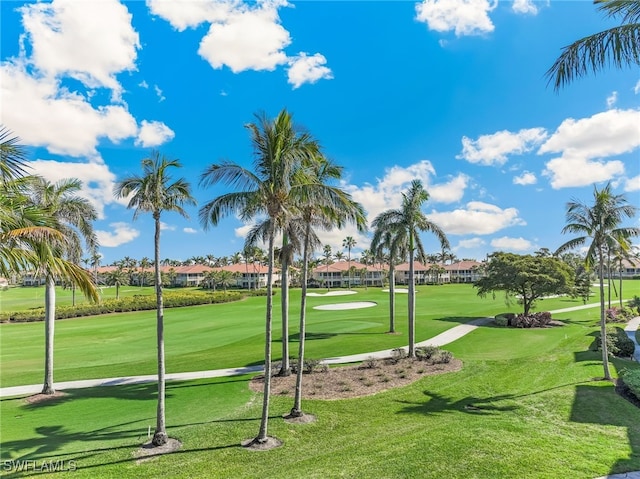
(329, 207)
(326, 252)
(117, 278)
(155, 192)
(406, 223)
(349, 242)
(73, 216)
(617, 46)
(599, 226)
(281, 153)
(386, 240)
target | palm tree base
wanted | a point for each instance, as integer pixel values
(262, 444)
(298, 416)
(160, 438)
(284, 373)
(48, 390)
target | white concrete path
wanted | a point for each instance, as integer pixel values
(631, 329)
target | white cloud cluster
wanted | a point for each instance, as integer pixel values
(494, 149)
(526, 178)
(506, 243)
(122, 233)
(464, 17)
(525, 7)
(243, 36)
(38, 104)
(103, 30)
(307, 69)
(612, 99)
(153, 133)
(585, 144)
(477, 218)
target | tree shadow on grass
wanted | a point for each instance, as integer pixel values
(592, 405)
(458, 319)
(438, 403)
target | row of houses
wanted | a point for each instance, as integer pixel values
(335, 275)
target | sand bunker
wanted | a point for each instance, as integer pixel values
(396, 290)
(340, 306)
(332, 293)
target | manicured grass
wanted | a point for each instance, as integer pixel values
(229, 335)
(516, 409)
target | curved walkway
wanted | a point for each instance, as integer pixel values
(441, 339)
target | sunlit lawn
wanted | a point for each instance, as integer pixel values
(229, 335)
(524, 405)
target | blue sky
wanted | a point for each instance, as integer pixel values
(448, 91)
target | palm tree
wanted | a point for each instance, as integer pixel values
(72, 215)
(406, 223)
(326, 252)
(617, 46)
(349, 243)
(385, 240)
(281, 152)
(599, 226)
(144, 264)
(155, 192)
(117, 278)
(330, 207)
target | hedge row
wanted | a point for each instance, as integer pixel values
(128, 304)
(618, 343)
(532, 320)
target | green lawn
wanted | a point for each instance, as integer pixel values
(229, 335)
(537, 413)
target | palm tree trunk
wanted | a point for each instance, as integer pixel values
(160, 435)
(392, 299)
(296, 410)
(49, 322)
(620, 282)
(603, 323)
(262, 434)
(412, 304)
(285, 369)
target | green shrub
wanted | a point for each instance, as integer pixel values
(618, 343)
(501, 321)
(425, 353)
(631, 379)
(444, 357)
(532, 320)
(398, 353)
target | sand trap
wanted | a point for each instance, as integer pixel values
(397, 290)
(340, 306)
(332, 293)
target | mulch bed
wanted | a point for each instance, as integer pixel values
(357, 380)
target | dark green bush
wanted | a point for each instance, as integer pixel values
(425, 353)
(618, 343)
(631, 378)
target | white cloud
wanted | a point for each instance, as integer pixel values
(449, 192)
(166, 227)
(612, 99)
(636, 88)
(183, 14)
(97, 180)
(158, 91)
(471, 243)
(122, 233)
(243, 36)
(585, 144)
(190, 230)
(247, 39)
(512, 244)
(477, 218)
(153, 133)
(524, 7)
(103, 29)
(464, 17)
(632, 184)
(493, 149)
(526, 178)
(67, 123)
(307, 69)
